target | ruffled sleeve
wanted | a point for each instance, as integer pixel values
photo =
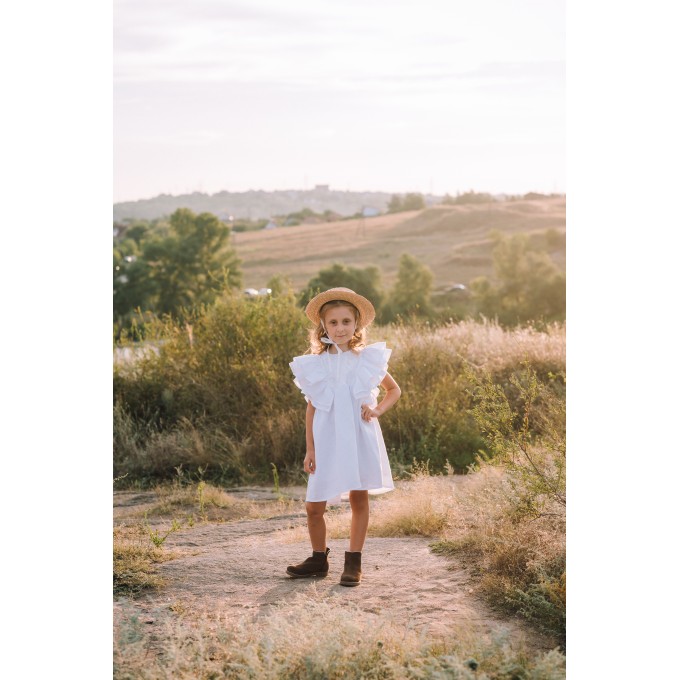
(312, 379)
(371, 370)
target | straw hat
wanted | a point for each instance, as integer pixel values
(366, 309)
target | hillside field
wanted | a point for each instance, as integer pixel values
(453, 240)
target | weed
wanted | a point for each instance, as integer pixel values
(157, 538)
(201, 499)
(275, 472)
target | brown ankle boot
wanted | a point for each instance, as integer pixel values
(316, 565)
(351, 576)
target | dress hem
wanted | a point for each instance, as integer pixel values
(338, 497)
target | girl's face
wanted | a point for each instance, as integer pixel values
(340, 324)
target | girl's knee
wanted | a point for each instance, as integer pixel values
(358, 499)
(315, 510)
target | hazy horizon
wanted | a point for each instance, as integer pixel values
(436, 98)
(299, 189)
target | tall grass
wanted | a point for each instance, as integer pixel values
(519, 560)
(511, 515)
(222, 398)
(317, 638)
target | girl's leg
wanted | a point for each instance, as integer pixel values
(358, 501)
(316, 523)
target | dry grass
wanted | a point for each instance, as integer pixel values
(485, 344)
(420, 507)
(433, 419)
(314, 637)
(415, 508)
(135, 558)
(517, 559)
(205, 502)
(434, 236)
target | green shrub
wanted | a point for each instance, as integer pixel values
(218, 393)
(518, 538)
(431, 420)
(223, 395)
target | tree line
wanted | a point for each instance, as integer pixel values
(176, 266)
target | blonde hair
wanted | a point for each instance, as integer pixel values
(315, 334)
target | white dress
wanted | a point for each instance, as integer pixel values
(350, 452)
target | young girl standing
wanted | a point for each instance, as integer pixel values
(346, 454)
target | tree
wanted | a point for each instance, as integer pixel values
(280, 285)
(411, 293)
(165, 266)
(395, 204)
(408, 202)
(474, 197)
(193, 263)
(137, 231)
(528, 286)
(366, 282)
(132, 284)
(413, 202)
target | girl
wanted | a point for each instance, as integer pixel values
(345, 449)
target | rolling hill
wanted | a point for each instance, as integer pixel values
(453, 240)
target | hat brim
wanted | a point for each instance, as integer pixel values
(366, 309)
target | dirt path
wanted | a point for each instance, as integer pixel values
(238, 568)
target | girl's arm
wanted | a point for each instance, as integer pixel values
(392, 394)
(310, 457)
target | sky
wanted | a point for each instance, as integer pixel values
(434, 96)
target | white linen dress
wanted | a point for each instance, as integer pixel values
(350, 452)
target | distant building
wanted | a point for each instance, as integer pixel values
(271, 225)
(322, 187)
(368, 211)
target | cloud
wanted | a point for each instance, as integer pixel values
(551, 69)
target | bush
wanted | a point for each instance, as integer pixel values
(430, 421)
(222, 395)
(511, 519)
(434, 418)
(219, 394)
(529, 439)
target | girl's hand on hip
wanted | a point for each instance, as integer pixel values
(367, 413)
(310, 463)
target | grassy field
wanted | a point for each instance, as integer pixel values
(203, 409)
(452, 240)
(254, 623)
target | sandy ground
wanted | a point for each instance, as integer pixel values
(238, 569)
